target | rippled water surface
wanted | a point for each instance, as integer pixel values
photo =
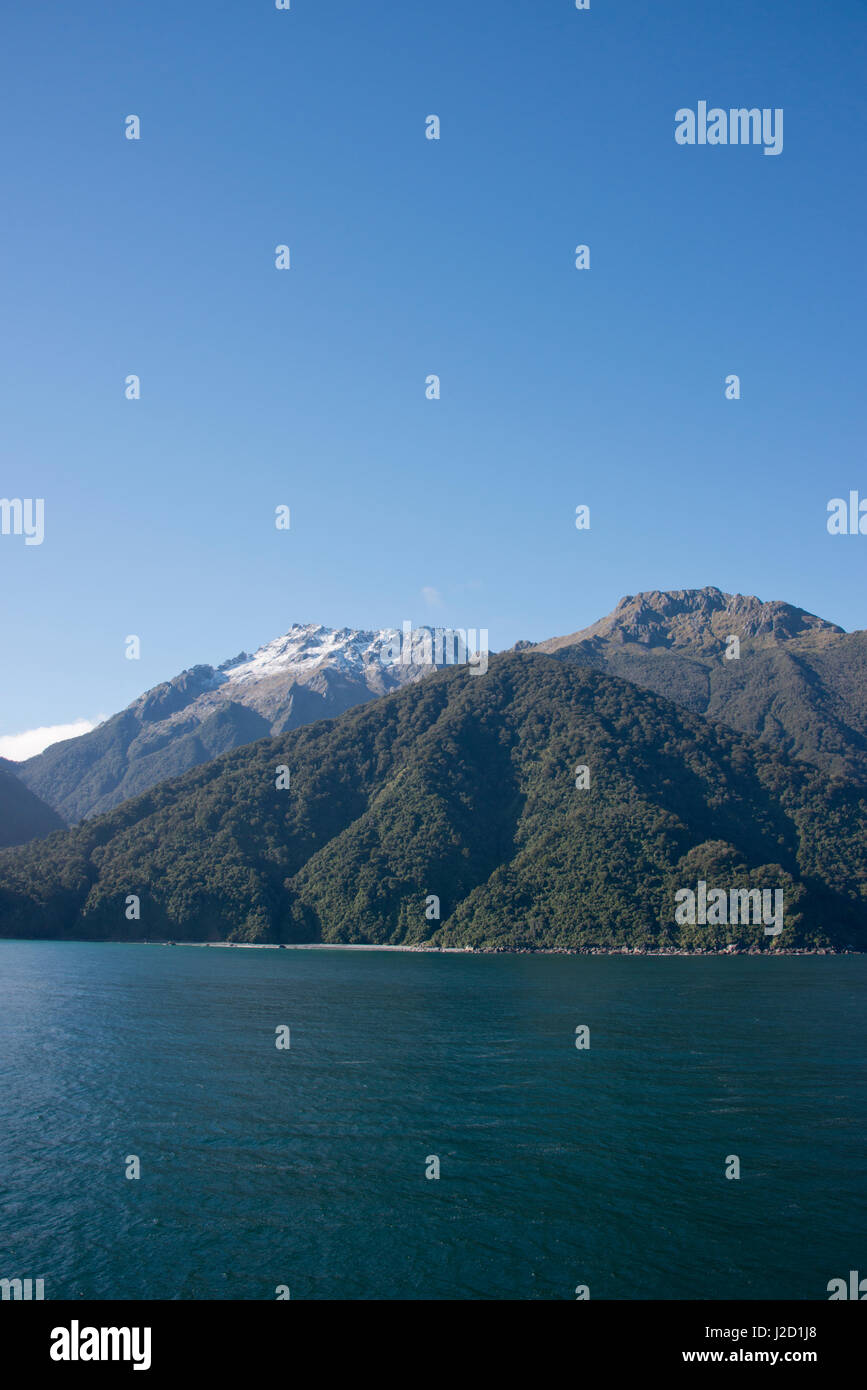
(306, 1167)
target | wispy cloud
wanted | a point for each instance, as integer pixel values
(17, 747)
(432, 597)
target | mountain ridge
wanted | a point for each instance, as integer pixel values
(309, 672)
(463, 791)
(674, 617)
(798, 681)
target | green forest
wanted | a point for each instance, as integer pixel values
(462, 789)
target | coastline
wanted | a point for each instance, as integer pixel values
(497, 950)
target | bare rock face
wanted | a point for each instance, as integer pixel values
(696, 618)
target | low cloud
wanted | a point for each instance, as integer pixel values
(18, 747)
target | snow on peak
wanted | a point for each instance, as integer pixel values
(308, 645)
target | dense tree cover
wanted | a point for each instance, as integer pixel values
(200, 714)
(799, 683)
(807, 697)
(463, 787)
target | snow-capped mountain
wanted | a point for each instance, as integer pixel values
(311, 672)
(306, 646)
(794, 680)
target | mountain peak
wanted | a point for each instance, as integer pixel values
(310, 672)
(696, 617)
(307, 646)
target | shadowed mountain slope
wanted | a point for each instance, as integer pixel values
(23, 816)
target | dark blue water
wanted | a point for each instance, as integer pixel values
(306, 1167)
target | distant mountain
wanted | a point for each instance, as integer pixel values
(448, 813)
(312, 672)
(799, 682)
(23, 816)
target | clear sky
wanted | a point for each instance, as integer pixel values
(409, 257)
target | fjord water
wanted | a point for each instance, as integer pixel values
(306, 1167)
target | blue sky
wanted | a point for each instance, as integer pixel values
(411, 257)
